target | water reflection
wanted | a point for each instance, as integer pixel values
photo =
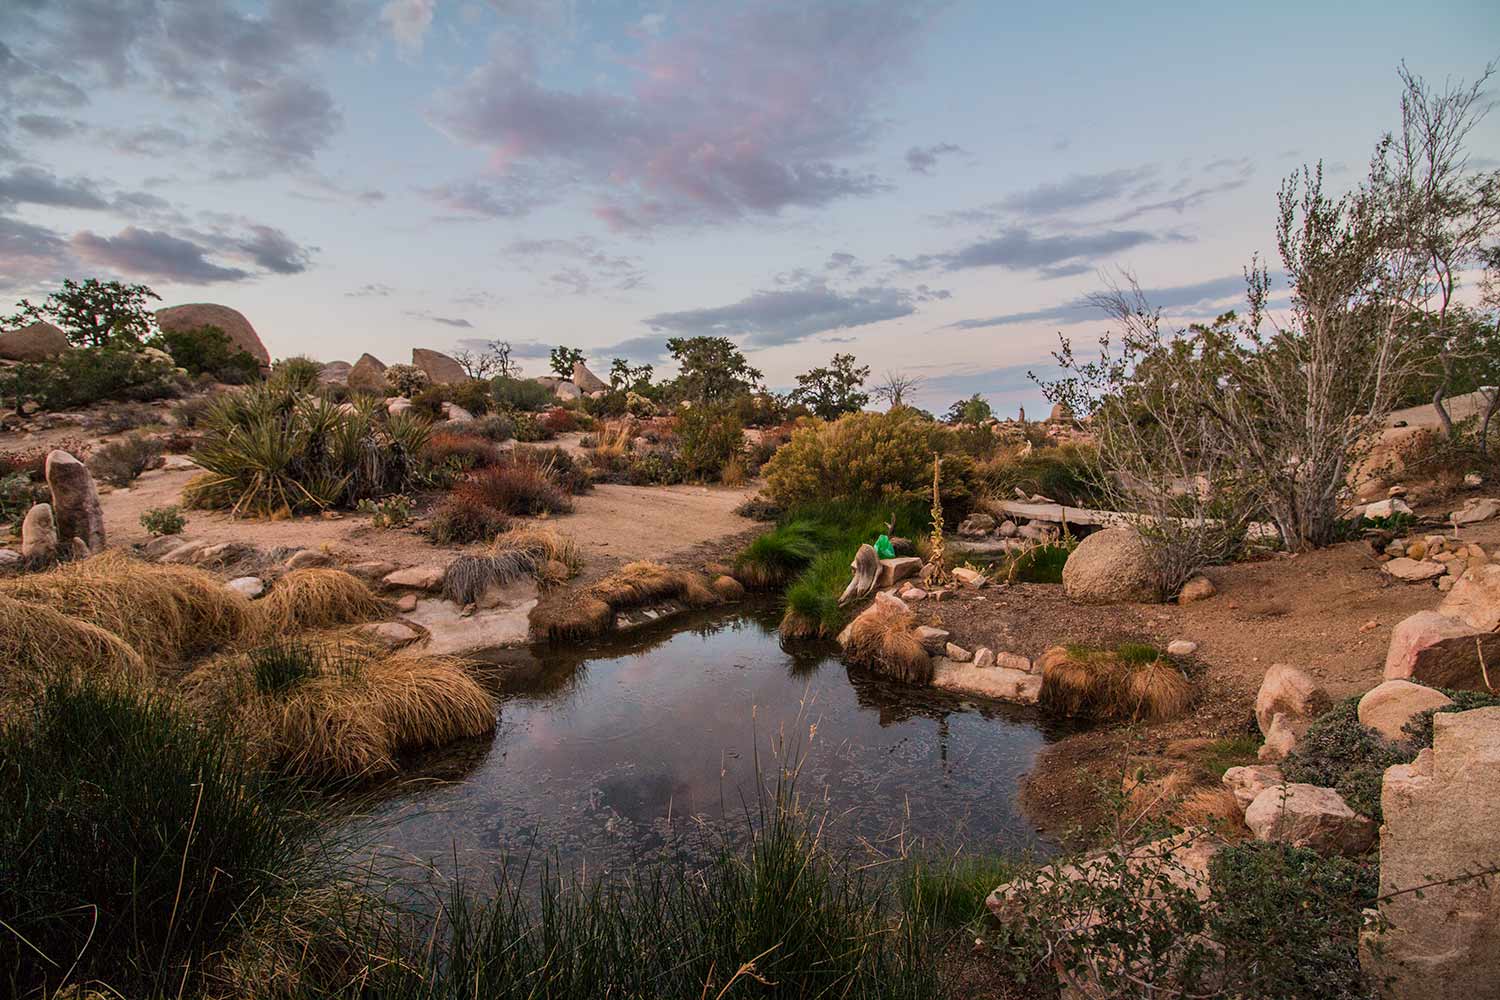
(650, 743)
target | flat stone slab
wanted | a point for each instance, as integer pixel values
(1414, 571)
(417, 577)
(996, 683)
(452, 633)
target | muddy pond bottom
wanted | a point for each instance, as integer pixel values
(660, 743)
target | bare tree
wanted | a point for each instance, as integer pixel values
(895, 387)
(492, 360)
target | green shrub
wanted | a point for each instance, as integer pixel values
(1040, 563)
(472, 395)
(871, 458)
(559, 465)
(268, 449)
(1066, 474)
(134, 843)
(528, 428)
(523, 394)
(1418, 730)
(607, 406)
(120, 462)
(163, 520)
(299, 373)
(1340, 752)
(951, 892)
(654, 467)
(96, 375)
(18, 494)
(208, 350)
(708, 439)
(773, 559)
(496, 427)
(406, 380)
(124, 417)
(429, 402)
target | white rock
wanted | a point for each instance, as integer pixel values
(1181, 647)
(1476, 509)
(957, 653)
(1249, 781)
(1386, 508)
(1309, 816)
(417, 577)
(1287, 690)
(251, 586)
(984, 656)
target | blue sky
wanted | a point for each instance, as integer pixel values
(932, 186)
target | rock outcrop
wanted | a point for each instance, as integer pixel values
(1441, 813)
(1434, 649)
(335, 373)
(233, 322)
(1111, 566)
(41, 341)
(1475, 598)
(75, 501)
(368, 375)
(586, 380)
(440, 369)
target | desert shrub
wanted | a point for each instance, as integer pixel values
(191, 411)
(406, 380)
(18, 494)
(208, 350)
(529, 429)
(654, 467)
(299, 373)
(462, 518)
(1418, 730)
(120, 462)
(1040, 563)
(393, 511)
(709, 437)
(873, 457)
(762, 409)
(518, 488)
(472, 395)
(558, 420)
(268, 450)
(469, 451)
(522, 394)
(83, 377)
(136, 842)
(559, 465)
(163, 520)
(607, 407)
(1066, 474)
(428, 402)
(495, 427)
(126, 417)
(1340, 752)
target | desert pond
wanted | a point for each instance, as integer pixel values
(653, 743)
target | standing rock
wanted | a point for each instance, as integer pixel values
(440, 369)
(1388, 706)
(1440, 816)
(586, 380)
(41, 341)
(1280, 739)
(236, 327)
(1287, 690)
(75, 501)
(1110, 566)
(335, 373)
(1309, 816)
(368, 375)
(39, 533)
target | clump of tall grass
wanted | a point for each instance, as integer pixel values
(175, 612)
(1040, 563)
(270, 450)
(318, 598)
(136, 842)
(39, 644)
(1132, 681)
(773, 559)
(639, 583)
(884, 639)
(515, 553)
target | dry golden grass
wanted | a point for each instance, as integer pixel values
(354, 717)
(1177, 799)
(39, 643)
(640, 583)
(317, 598)
(570, 615)
(883, 638)
(728, 588)
(1099, 684)
(1215, 808)
(542, 544)
(168, 613)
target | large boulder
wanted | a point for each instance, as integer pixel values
(75, 501)
(1288, 691)
(335, 373)
(1440, 817)
(1110, 566)
(1475, 598)
(233, 322)
(586, 380)
(1309, 816)
(368, 375)
(566, 391)
(1389, 706)
(1433, 649)
(41, 341)
(39, 533)
(440, 369)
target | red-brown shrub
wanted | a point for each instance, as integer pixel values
(473, 452)
(33, 460)
(558, 420)
(463, 518)
(515, 487)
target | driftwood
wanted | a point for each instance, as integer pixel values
(866, 567)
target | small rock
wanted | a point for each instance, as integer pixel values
(1476, 509)
(307, 559)
(1416, 550)
(1181, 647)
(1015, 661)
(1248, 782)
(893, 571)
(984, 656)
(1387, 508)
(1280, 739)
(1413, 571)
(1008, 529)
(1473, 480)
(184, 552)
(1288, 691)
(1199, 588)
(389, 634)
(957, 653)
(9, 557)
(976, 525)
(1396, 491)
(1369, 626)
(417, 577)
(1390, 705)
(969, 577)
(407, 603)
(914, 594)
(39, 533)
(1309, 816)
(933, 639)
(372, 569)
(251, 586)
(1445, 584)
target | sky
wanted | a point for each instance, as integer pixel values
(934, 186)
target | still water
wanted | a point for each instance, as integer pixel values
(656, 743)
